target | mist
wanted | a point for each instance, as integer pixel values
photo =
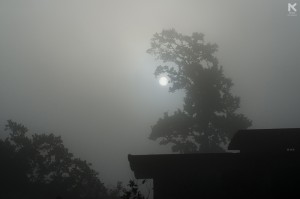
(79, 69)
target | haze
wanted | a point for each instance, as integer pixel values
(80, 69)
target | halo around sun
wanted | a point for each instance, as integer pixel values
(163, 81)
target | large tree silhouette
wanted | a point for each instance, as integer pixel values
(209, 116)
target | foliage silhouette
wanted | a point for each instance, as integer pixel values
(209, 116)
(133, 192)
(40, 166)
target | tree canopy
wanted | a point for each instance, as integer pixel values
(209, 116)
(40, 166)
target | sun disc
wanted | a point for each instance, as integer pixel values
(163, 81)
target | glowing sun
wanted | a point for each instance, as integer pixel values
(163, 81)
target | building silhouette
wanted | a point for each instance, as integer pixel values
(261, 163)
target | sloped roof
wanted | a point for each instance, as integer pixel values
(266, 140)
(261, 146)
(149, 166)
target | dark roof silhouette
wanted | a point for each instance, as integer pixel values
(267, 167)
(148, 166)
(266, 140)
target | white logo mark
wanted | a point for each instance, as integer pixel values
(292, 9)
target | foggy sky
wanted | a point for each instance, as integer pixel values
(79, 69)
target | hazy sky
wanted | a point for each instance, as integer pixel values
(80, 69)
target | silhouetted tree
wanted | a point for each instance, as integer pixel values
(209, 116)
(40, 166)
(133, 192)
